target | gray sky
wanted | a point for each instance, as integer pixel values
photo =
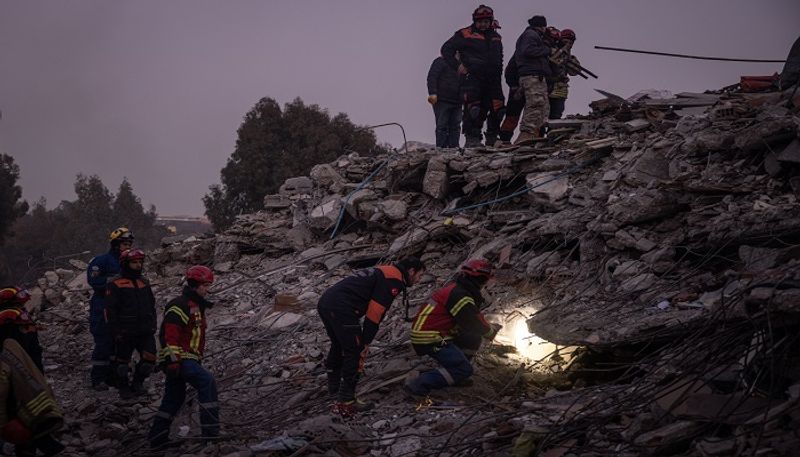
(155, 90)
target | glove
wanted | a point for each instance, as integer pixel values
(493, 332)
(173, 370)
(432, 99)
(462, 70)
(363, 359)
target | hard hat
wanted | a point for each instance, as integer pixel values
(482, 12)
(121, 234)
(553, 33)
(131, 254)
(201, 274)
(568, 34)
(14, 294)
(477, 268)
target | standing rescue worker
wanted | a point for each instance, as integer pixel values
(450, 329)
(480, 49)
(444, 94)
(131, 320)
(17, 324)
(516, 102)
(368, 294)
(560, 74)
(183, 339)
(532, 56)
(101, 269)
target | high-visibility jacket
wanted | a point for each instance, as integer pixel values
(130, 305)
(368, 293)
(25, 394)
(452, 311)
(183, 330)
(17, 324)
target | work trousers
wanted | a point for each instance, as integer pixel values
(124, 346)
(101, 358)
(345, 352)
(537, 106)
(193, 374)
(454, 367)
(516, 102)
(483, 102)
(557, 105)
(448, 124)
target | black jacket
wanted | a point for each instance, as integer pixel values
(480, 52)
(369, 293)
(443, 81)
(512, 72)
(130, 305)
(532, 54)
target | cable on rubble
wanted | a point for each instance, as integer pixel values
(688, 56)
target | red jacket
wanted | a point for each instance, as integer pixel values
(455, 310)
(183, 331)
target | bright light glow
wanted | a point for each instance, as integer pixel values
(530, 346)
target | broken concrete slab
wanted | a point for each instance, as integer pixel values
(549, 185)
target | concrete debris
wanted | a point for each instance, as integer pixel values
(658, 235)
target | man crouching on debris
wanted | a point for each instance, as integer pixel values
(183, 338)
(450, 329)
(367, 294)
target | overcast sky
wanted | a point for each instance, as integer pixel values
(154, 90)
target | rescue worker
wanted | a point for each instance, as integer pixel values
(28, 411)
(101, 269)
(516, 102)
(480, 48)
(450, 329)
(532, 57)
(369, 293)
(183, 338)
(444, 94)
(131, 320)
(560, 74)
(17, 324)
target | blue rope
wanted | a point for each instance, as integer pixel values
(525, 189)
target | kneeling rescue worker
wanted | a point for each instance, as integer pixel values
(450, 329)
(183, 338)
(369, 293)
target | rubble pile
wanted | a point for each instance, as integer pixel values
(654, 242)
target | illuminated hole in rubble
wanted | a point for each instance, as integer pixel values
(515, 333)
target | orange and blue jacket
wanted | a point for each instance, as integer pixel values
(369, 293)
(183, 330)
(452, 311)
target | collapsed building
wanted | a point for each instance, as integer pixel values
(648, 286)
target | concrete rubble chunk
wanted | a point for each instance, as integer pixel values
(297, 186)
(548, 185)
(435, 183)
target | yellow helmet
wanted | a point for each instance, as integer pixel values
(121, 234)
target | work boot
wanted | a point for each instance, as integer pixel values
(491, 140)
(525, 138)
(473, 142)
(412, 393)
(126, 393)
(351, 408)
(138, 389)
(334, 382)
(469, 382)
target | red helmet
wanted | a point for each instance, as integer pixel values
(552, 34)
(131, 254)
(478, 268)
(14, 295)
(568, 34)
(201, 274)
(482, 12)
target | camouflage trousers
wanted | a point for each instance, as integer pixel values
(537, 106)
